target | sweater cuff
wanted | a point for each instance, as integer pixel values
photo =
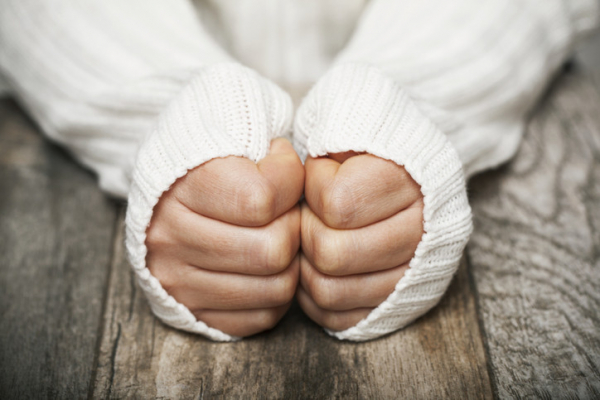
(226, 109)
(356, 107)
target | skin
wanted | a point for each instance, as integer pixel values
(361, 223)
(225, 239)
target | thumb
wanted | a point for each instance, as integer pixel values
(283, 168)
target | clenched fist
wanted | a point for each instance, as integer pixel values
(224, 240)
(361, 224)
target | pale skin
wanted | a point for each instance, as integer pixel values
(225, 239)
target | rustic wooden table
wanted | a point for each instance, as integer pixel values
(521, 319)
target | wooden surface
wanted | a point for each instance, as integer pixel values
(56, 236)
(536, 252)
(520, 320)
(141, 356)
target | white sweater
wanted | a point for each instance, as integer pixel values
(140, 92)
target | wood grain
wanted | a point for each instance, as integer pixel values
(533, 271)
(56, 232)
(440, 356)
(536, 252)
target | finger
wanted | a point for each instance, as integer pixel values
(348, 292)
(362, 190)
(214, 245)
(242, 322)
(238, 191)
(334, 320)
(201, 289)
(383, 245)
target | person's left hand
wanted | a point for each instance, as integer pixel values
(361, 223)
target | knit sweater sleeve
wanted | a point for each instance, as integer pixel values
(137, 91)
(441, 88)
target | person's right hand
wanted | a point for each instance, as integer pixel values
(224, 240)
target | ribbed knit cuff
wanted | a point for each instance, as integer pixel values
(356, 107)
(225, 110)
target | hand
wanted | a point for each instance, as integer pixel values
(223, 241)
(361, 224)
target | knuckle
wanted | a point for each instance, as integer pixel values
(279, 249)
(283, 286)
(268, 319)
(158, 237)
(338, 204)
(158, 240)
(284, 291)
(324, 293)
(334, 321)
(326, 255)
(257, 201)
(166, 277)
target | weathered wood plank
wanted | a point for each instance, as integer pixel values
(440, 356)
(536, 252)
(56, 232)
(588, 55)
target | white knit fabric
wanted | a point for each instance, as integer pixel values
(423, 83)
(376, 116)
(155, 98)
(413, 70)
(225, 110)
(95, 75)
(476, 68)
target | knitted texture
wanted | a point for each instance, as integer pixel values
(96, 76)
(475, 68)
(225, 110)
(438, 87)
(376, 116)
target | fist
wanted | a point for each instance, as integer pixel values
(361, 224)
(223, 241)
